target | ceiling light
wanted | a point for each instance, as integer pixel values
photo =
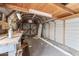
(39, 13)
(30, 21)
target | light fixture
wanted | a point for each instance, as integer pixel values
(29, 21)
(39, 13)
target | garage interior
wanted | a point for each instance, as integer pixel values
(39, 29)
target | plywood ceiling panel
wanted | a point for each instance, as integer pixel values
(73, 6)
(19, 7)
(37, 6)
(56, 10)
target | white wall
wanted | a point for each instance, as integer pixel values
(47, 30)
(51, 30)
(72, 33)
(59, 31)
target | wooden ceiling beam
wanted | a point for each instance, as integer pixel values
(73, 6)
(65, 8)
(62, 11)
(18, 7)
(71, 16)
(55, 9)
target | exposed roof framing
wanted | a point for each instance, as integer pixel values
(57, 10)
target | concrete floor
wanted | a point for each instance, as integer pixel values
(40, 48)
(37, 47)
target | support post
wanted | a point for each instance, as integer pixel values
(39, 30)
(54, 31)
(64, 32)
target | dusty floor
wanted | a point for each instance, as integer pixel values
(38, 47)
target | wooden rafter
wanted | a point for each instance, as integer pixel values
(73, 6)
(71, 16)
(56, 10)
(10, 13)
(65, 8)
